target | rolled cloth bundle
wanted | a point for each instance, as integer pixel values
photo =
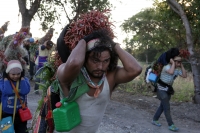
(171, 53)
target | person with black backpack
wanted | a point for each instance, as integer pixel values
(156, 66)
(164, 90)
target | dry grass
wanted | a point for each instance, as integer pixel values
(184, 88)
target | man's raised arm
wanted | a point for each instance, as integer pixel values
(68, 71)
(131, 68)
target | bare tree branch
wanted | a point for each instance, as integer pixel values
(34, 7)
(66, 12)
(77, 10)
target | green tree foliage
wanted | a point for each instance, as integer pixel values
(160, 28)
(153, 31)
(182, 12)
(50, 11)
(190, 8)
(170, 23)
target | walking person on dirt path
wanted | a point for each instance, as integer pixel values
(96, 56)
(165, 90)
(13, 74)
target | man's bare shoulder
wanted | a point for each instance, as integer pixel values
(65, 76)
(60, 68)
(111, 77)
(60, 73)
(113, 72)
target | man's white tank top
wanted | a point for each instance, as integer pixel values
(92, 110)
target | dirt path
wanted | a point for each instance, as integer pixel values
(133, 114)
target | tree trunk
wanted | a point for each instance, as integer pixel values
(146, 55)
(27, 15)
(26, 20)
(194, 59)
(196, 77)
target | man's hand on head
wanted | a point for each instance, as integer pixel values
(114, 44)
(93, 35)
(89, 38)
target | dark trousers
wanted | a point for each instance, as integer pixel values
(36, 85)
(36, 79)
(43, 126)
(164, 98)
(32, 69)
(19, 126)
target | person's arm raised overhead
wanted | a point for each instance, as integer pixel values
(68, 71)
(131, 68)
(172, 68)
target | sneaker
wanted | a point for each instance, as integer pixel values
(173, 128)
(156, 123)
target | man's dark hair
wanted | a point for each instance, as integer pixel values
(105, 43)
(50, 43)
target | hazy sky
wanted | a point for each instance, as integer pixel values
(9, 11)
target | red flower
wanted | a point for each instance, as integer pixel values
(184, 53)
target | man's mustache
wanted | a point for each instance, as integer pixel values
(99, 70)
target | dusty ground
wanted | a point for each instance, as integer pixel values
(128, 113)
(133, 114)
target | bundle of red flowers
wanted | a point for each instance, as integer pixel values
(86, 24)
(184, 53)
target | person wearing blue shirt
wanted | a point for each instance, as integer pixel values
(12, 75)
